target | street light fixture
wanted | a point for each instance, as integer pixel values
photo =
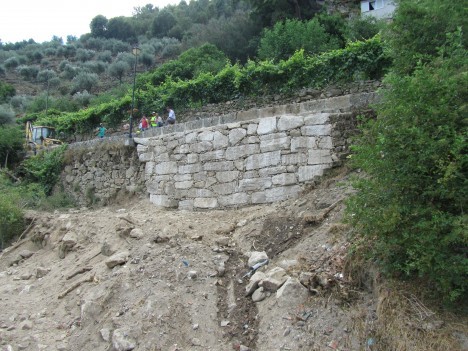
(135, 51)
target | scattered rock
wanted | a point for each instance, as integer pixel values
(192, 274)
(288, 264)
(26, 254)
(254, 281)
(136, 233)
(107, 250)
(256, 257)
(259, 295)
(26, 325)
(25, 276)
(42, 272)
(222, 241)
(196, 342)
(271, 284)
(122, 341)
(158, 239)
(292, 292)
(117, 259)
(197, 237)
(224, 323)
(105, 334)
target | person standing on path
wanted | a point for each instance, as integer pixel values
(171, 118)
(101, 131)
(153, 120)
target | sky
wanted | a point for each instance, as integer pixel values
(42, 19)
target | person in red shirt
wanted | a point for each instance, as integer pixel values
(144, 123)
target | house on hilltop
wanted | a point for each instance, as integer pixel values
(381, 9)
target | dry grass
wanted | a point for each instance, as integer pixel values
(399, 319)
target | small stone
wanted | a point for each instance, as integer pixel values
(192, 274)
(105, 334)
(224, 323)
(259, 295)
(256, 257)
(25, 276)
(117, 259)
(26, 325)
(196, 342)
(244, 348)
(26, 254)
(195, 326)
(41, 272)
(136, 233)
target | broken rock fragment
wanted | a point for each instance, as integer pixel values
(117, 259)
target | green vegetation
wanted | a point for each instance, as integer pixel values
(413, 204)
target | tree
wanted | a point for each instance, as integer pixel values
(162, 23)
(84, 81)
(98, 26)
(280, 42)
(118, 69)
(268, 12)
(120, 28)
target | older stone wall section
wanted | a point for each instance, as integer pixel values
(264, 156)
(101, 170)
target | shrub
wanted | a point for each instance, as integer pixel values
(280, 42)
(84, 81)
(413, 205)
(45, 168)
(6, 92)
(11, 144)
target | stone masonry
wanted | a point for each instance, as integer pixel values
(263, 159)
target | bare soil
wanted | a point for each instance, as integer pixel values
(57, 291)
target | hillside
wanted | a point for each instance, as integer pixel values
(133, 277)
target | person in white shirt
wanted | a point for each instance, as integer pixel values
(171, 118)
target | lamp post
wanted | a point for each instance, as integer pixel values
(135, 51)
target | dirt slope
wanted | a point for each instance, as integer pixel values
(179, 281)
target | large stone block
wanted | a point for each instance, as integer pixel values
(284, 179)
(290, 122)
(227, 176)
(219, 166)
(316, 130)
(306, 173)
(212, 155)
(183, 185)
(237, 152)
(206, 135)
(202, 146)
(234, 199)
(299, 158)
(236, 135)
(273, 142)
(266, 125)
(205, 203)
(225, 188)
(166, 168)
(220, 140)
(269, 171)
(282, 193)
(316, 118)
(191, 168)
(318, 157)
(263, 160)
(303, 143)
(163, 201)
(254, 184)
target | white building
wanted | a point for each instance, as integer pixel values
(381, 9)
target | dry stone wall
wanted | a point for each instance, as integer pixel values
(99, 171)
(259, 156)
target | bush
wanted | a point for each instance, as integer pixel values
(44, 168)
(11, 144)
(11, 215)
(413, 205)
(7, 91)
(285, 38)
(84, 81)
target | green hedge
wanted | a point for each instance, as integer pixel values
(359, 60)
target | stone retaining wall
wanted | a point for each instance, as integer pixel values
(100, 171)
(242, 158)
(265, 156)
